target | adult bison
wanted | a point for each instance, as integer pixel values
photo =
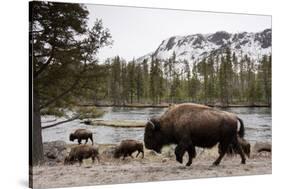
(81, 134)
(189, 125)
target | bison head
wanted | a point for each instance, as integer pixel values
(247, 149)
(153, 135)
(117, 153)
(68, 160)
(71, 137)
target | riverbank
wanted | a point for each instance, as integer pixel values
(116, 123)
(153, 167)
(166, 105)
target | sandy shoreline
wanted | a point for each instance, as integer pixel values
(153, 167)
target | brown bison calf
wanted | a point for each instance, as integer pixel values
(127, 148)
(232, 149)
(246, 146)
(80, 152)
(81, 134)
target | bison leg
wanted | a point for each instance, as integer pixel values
(79, 141)
(124, 155)
(94, 158)
(86, 140)
(191, 154)
(184, 146)
(138, 154)
(179, 152)
(222, 150)
(91, 138)
(218, 160)
(80, 159)
(239, 150)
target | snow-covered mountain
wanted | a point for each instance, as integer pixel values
(195, 47)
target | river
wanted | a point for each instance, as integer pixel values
(257, 123)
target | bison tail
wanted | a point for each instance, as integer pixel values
(241, 131)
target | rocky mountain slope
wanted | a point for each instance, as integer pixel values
(195, 47)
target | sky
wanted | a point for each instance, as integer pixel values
(139, 31)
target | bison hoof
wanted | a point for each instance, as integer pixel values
(188, 163)
(216, 163)
(243, 162)
(179, 160)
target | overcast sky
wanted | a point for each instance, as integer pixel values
(138, 31)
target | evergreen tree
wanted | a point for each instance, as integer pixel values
(161, 88)
(222, 81)
(228, 76)
(266, 73)
(152, 80)
(173, 77)
(116, 81)
(251, 89)
(139, 82)
(188, 78)
(211, 83)
(259, 86)
(159, 81)
(63, 58)
(203, 70)
(242, 77)
(194, 84)
(235, 83)
(145, 76)
(125, 82)
(132, 80)
(216, 77)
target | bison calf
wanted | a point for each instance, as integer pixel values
(80, 152)
(81, 134)
(127, 148)
(245, 145)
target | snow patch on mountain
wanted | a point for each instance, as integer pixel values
(194, 48)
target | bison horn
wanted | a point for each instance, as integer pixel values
(153, 125)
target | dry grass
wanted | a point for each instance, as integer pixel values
(119, 123)
(153, 167)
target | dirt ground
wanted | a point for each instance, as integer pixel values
(153, 167)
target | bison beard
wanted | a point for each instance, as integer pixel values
(189, 125)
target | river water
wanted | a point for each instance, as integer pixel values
(257, 123)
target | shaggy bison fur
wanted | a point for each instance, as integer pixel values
(80, 152)
(127, 148)
(189, 125)
(81, 134)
